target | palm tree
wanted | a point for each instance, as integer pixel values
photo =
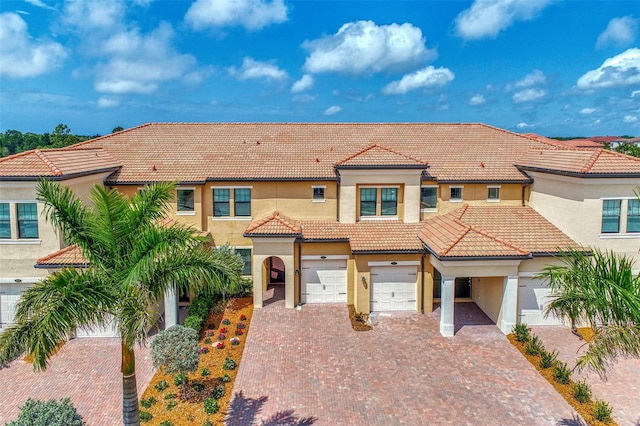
(601, 291)
(134, 259)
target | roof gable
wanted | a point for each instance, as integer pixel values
(377, 156)
(273, 225)
(57, 163)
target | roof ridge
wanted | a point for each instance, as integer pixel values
(457, 240)
(592, 160)
(56, 171)
(89, 141)
(382, 147)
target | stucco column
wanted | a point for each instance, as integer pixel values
(447, 297)
(509, 304)
(289, 282)
(170, 308)
(256, 268)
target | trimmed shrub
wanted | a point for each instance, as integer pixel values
(218, 392)
(145, 416)
(211, 406)
(207, 423)
(48, 413)
(582, 391)
(170, 396)
(547, 359)
(561, 373)
(602, 410)
(534, 346)
(205, 372)
(171, 405)
(166, 423)
(147, 403)
(180, 379)
(226, 378)
(229, 364)
(521, 332)
(161, 385)
(197, 386)
(176, 350)
(194, 322)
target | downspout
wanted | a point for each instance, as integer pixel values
(299, 272)
(524, 189)
(422, 279)
(338, 197)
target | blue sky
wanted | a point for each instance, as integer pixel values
(557, 68)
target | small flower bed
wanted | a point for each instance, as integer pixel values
(211, 382)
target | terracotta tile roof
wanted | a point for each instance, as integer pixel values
(57, 162)
(380, 156)
(196, 152)
(68, 256)
(367, 235)
(580, 162)
(273, 225)
(476, 231)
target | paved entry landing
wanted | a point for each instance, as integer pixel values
(309, 367)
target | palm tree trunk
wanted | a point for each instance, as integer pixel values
(130, 410)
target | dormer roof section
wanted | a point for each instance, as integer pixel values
(274, 225)
(377, 156)
(580, 163)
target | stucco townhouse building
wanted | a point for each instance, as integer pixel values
(387, 217)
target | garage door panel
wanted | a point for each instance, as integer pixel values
(533, 298)
(393, 288)
(324, 281)
(10, 295)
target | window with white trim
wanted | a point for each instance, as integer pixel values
(429, 197)
(245, 253)
(318, 193)
(5, 221)
(185, 198)
(493, 193)
(221, 202)
(368, 201)
(611, 216)
(27, 220)
(242, 201)
(633, 216)
(455, 193)
(389, 206)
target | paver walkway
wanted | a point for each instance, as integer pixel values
(86, 370)
(622, 387)
(303, 367)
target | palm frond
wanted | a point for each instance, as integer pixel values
(610, 343)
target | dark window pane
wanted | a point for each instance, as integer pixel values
(428, 198)
(185, 200)
(611, 216)
(318, 194)
(246, 258)
(5, 221)
(368, 198)
(456, 194)
(494, 194)
(633, 216)
(27, 220)
(389, 201)
(221, 202)
(242, 201)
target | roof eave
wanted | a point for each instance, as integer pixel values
(59, 177)
(579, 174)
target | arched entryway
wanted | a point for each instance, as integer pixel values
(274, 278)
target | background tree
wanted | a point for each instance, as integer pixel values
(48, 413)
(117, 129)
(176, 350)
(601, 291)
(134, 259)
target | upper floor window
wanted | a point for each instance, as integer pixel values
(611, 216)
(221, 202)
(242, 201)
(368, 201)
(428, 197)
(185, 200)
(5, 221)
(389, 202)
(318, 193)
(456, 193)
(633, 216)
(27, 220)
(493, 193)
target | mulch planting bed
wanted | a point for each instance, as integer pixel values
(359, 321)
(566, 391)
(171, 405)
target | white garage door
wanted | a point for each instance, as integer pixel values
(10, 295)
(324, 281)
(533, 297)
(106, 331)
(393, 288)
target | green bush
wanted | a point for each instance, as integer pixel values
(197, 386)
(145, 416)
(547, 359)
(180, 379)
(48, 413)
(161, 385)
(200, 306)
(211, 406)
(582, 391)
(207, 341)
(602, 410)
(561, 373)
(166, 423)
(207, 423)
(147, 403)
(194, 322)
(226, 378)
(205, 372)
(171, 405)
(218, 307)
(245, 288)
(170, 396)
(229, 364)
(218, 392)
(534, 346)
(521, 332)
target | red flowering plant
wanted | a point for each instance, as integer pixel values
(243, 317)
(239, 332)
(204, 350)
(223, 330)
(220, 345)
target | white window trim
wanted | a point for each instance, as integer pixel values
(385, 217)
(324, 199)
(246, 248)
(231, 187)
(433, 209)
(230, 218)
(493, 200)
(21, 241)
(456, 200)
(186, 212)
(327, 257)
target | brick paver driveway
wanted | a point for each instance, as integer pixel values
(621, 388)
(86, 370)
(309, 367)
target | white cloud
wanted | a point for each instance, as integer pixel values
(619, 32)
(486, 18)
(22, 56)
(199, 75)
(529, 95)
(332, 110)
(364, 48)
(477, 100)
(426, 77)
(303, 99)
(524, 125)
(252, 69)
(621, 70)
(630, 119)
(93, 15)
(40, 3)
(133, 61)
(635, 93)
(305, 83)
(253, 15)
(107, 102)
(587, 110)
(532, 79)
